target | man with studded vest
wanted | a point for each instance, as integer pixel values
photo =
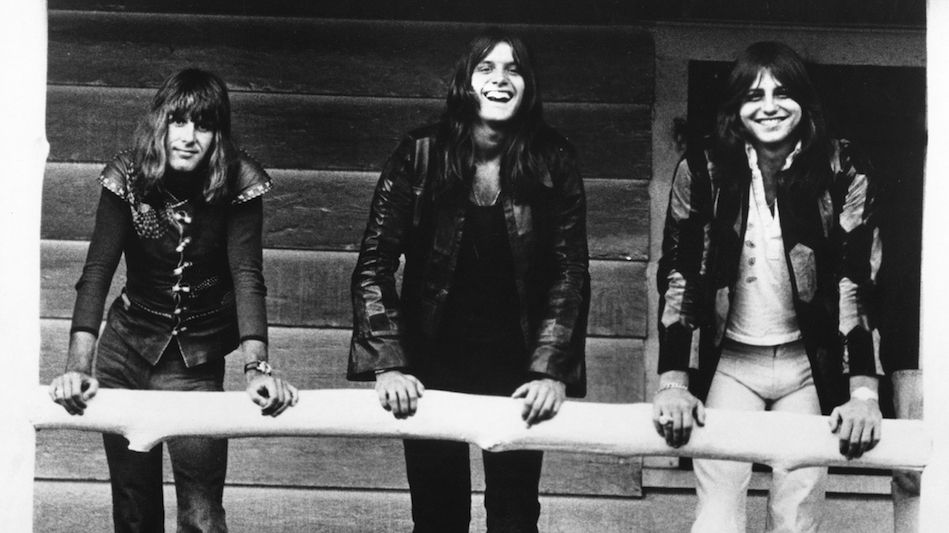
(184, 207)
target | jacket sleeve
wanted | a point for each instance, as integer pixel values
(860, 254)
(245, 249)
(377, 316)
(112, 226)
(681, 274)
(559, 350)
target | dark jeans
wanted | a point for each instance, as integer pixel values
(199, 464)
(439, 472)
(440, 483)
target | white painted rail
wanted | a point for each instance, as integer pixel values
(492, 423)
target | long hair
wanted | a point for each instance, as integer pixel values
(199, 96)
(522, 162)
(788, 68)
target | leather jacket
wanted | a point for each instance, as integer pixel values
(193, 269)
(547, 235)
(832, 248)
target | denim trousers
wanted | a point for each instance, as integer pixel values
(757, 378)
(439, 472)
(199, 464)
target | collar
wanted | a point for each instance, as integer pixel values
(753, 157)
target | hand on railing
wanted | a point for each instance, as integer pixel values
(73, 390)
(273, 395)
(399, 392)
(542, 399)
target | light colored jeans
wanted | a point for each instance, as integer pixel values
(758, 378)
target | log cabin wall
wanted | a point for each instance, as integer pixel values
(321, 94)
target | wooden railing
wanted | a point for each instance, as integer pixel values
(493, 423)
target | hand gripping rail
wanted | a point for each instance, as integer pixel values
(493, 423)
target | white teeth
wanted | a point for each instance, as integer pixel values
(498, 96)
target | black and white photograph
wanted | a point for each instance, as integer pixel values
(437, 266)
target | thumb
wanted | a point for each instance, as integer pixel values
(834, 420)
(521, 391)
(699, 413)
(90, 389)
(259, 392)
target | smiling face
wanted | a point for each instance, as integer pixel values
(768, 112)
(187, 144)
(498, 85)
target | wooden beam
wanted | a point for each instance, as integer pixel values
(779, 439)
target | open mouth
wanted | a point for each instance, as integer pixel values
(498, 96)
(771, 121)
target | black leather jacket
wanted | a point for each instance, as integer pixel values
(193, 269)
(548, 242)
(832, 248)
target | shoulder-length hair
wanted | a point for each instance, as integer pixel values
(199, 96)
(788, 68)
(522, 162)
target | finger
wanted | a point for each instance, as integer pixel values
(686, 427)
(72, 394)
(521, 391)
(547, 410)
(412, 395)
(844, 431)
(558, 403)
(678, 423)
(855, 447)
(282, 400)
(401, 406)
(669, 427)
(419, 387)
(536, 402)
(699, 413)
(383, 396)
(867, 441)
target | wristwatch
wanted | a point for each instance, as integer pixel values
(260, 366)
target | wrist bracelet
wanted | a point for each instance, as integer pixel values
(864, 393)
(671, 385)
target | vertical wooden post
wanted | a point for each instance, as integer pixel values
(23, 150)
(934, 341)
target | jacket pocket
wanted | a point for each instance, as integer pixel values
(804, 269)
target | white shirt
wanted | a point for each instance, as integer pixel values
(762, 311)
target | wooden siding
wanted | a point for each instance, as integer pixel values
(327, 210)
(311, 288)
(355, 511)
(334, 132)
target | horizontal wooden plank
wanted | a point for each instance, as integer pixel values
(315, 359)
(846, 13)
(65, 507)
(335, 133)
(334, 57)
(307, 288)
(837, 483)
(327, 210)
